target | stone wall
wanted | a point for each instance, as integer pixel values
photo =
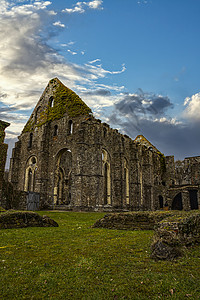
(75, 161)
(24, 219)
(172, 234)
(79, 162)
(132, 220)
(188, 171)
(3, 154)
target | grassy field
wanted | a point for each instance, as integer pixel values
(75, 261)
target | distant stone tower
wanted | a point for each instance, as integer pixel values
(75, 161)
(3, 152)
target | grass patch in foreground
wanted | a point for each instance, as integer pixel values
(75, 261)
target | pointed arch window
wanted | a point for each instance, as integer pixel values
(63, 177)
(51, 101)
(70, 127)
(106, 177)
(30, 174)
(126, 181)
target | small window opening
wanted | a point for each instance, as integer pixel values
(102, 156)
(104, 132)
(70, 127)
(51, 101)
(30, 179)
(55, 133)
(160, 201)
(30, 140)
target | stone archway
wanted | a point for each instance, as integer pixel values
(177, 203)
(62, 180)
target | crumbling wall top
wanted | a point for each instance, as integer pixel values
(56, 101)
(3, 126)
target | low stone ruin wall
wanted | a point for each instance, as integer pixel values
(173, 229)
(13, 219)
(132, 220)
(11, 199)
(173, 234)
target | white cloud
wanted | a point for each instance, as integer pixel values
(192, 110)
(172, 121)
(99, 71)
(77, 9)
(27, 62)
(80, 7)
(59, 24)
(71, 52)
(93, 61)
(96, 4)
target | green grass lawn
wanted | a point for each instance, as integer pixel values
(75, 261)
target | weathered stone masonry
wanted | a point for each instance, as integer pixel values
(77, 162)
(3, 153)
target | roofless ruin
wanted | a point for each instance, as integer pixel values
(72, 160)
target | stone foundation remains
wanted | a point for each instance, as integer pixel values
(24, 219)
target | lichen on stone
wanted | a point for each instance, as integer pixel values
(65, 102)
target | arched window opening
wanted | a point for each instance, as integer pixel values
(30, 174)
(70, 127)
(106, 184)
(126, 181)
(30, 142)
(177, 203)
(51, 101)
(62, 180)
(102, 155)
(60, 186)
(55, 132)
(160, 201)
(106, 178)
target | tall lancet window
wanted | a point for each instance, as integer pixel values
(106, 177)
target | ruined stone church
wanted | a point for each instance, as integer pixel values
(74, 161)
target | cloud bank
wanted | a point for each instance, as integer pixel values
(147, 114)
(28, 61)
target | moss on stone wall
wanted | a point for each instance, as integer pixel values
(162, 161)
(65, 102)
(19, 219)
(3, 155)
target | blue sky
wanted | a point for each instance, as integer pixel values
(136, 63)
